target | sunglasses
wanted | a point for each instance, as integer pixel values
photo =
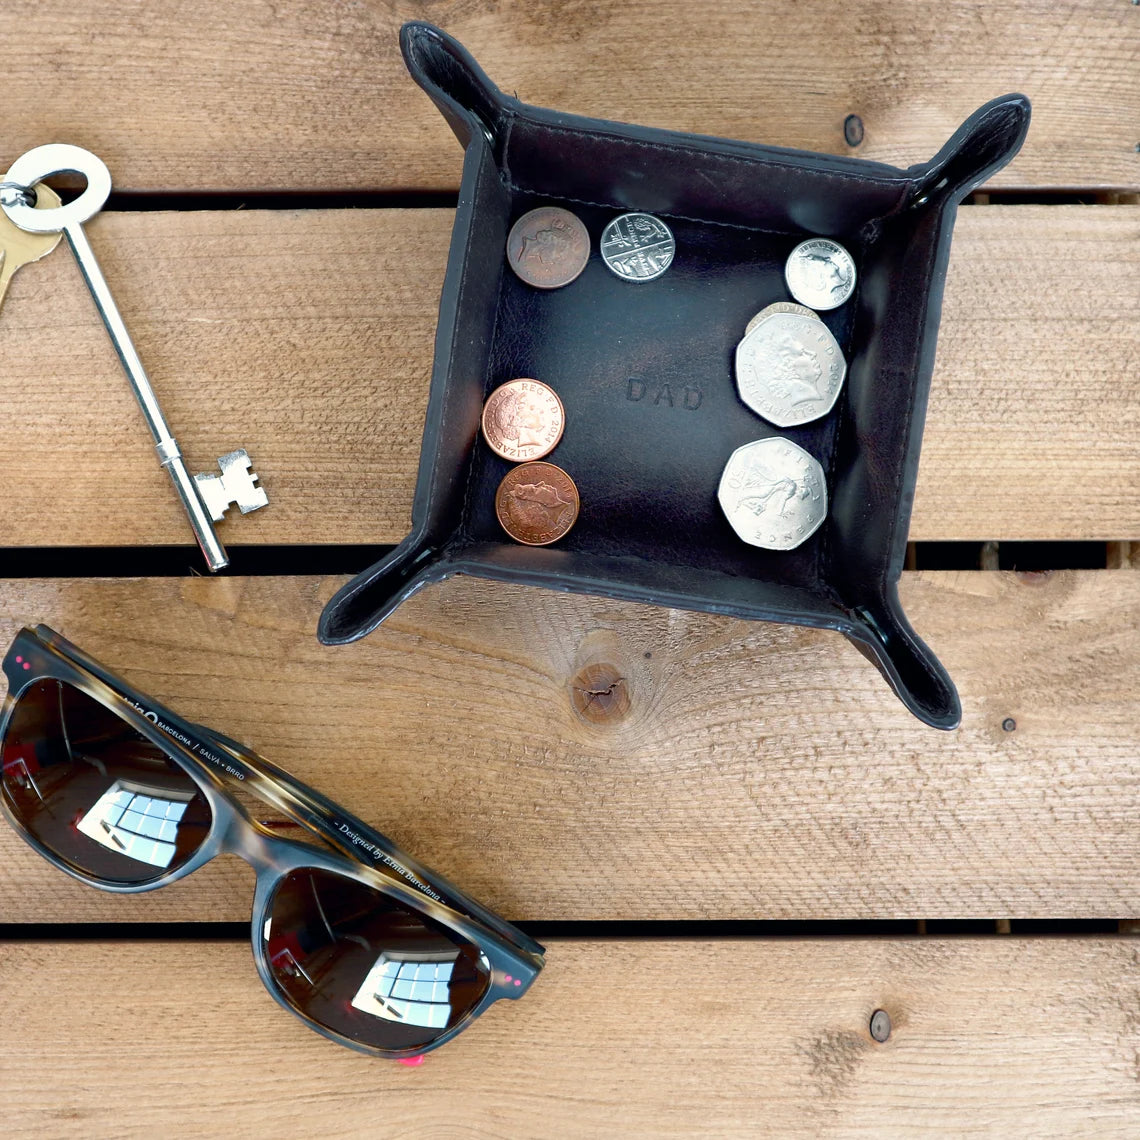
(361, 942)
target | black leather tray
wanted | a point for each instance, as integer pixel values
(645, 371)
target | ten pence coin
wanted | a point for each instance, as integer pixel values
(523, 419)
(548, 247)
(820, 273)
(536, 503)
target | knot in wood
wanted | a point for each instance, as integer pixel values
(600, 694)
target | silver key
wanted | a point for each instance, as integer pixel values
(203, 507)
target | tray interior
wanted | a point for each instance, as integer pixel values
(646, 373)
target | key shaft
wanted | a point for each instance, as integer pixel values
(58, 158)
(169, 454)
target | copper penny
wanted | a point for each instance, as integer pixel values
(548, 247)
(536, 503)
(523, 419)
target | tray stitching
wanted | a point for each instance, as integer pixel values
(467, 261)
(656, 213)
(680, 149)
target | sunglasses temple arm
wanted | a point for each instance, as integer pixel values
(356, 839)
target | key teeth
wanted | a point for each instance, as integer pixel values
(235, 484)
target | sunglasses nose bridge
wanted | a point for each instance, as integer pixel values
(262, 852)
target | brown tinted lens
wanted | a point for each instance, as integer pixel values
(94, 791)
(357, 962)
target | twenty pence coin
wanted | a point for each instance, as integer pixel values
(522, 420)
(536, 503)
(820, 273)
(773, 493)
(779, 307)
(548, 247)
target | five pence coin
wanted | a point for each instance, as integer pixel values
(637, 247)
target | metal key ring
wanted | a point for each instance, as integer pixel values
(43, 162)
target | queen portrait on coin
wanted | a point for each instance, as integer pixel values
(520, 418)
(825, 274)
(797, 372)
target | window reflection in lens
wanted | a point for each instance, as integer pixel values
(95, 792)
(359, 963)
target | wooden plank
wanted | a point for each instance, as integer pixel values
(311, 96)
(757, 771)
(307, 338)
(732, 1039)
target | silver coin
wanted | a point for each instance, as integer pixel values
(780, 307)
(820, 273)
(638, 247)
(789, 369)
(773, 493)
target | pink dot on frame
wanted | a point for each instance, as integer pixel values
(26, 665)
(19, 660)
(518, 982)
(506, 977)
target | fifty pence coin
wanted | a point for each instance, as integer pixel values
(820, 273)
(789, 369)
(536, 503)
(779, 307)
(548, 247)
(523, 419)
(637, 247)
(773, 493)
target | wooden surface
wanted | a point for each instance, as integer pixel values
(735, 1039)
(756, 771)
(314, 96)
(307, 337)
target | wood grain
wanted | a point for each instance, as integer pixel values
(307, 338)
(757, 771)
(729, 1039)
(312, 96)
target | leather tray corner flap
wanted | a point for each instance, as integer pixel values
(645, 370)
